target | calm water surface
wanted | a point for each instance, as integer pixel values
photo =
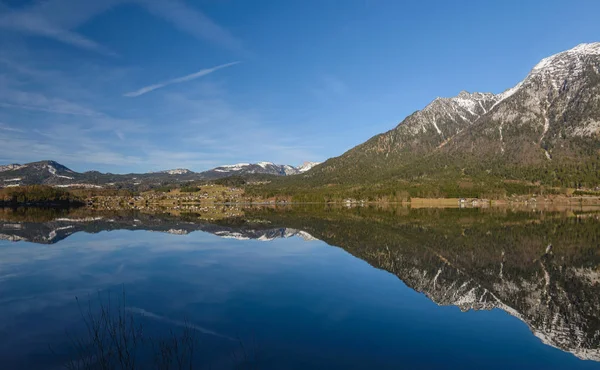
(325, 289)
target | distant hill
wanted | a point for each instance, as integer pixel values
(58, 175)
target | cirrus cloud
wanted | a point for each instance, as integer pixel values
(190, 77)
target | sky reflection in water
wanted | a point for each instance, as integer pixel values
(299, 303)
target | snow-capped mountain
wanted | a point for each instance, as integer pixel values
(256, 168)
(553, 108)
(553, 82)
(547, 122)
(268, 168)
(53, 173)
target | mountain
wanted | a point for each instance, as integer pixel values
(544, 130)
(268, 168)
(55, 174)
(46, 172)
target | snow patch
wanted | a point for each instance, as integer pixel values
(177, 171)
(482, 107)
(507, 94)
(13, 226)
(237, 165)
(12, 167)
(65, 228)
(306, 236)
(53, 171)
(307, 166)
(85, 186)
(231, 167)
(12, 238)
(231, 235)
(265, 164)
(501, 139)
(290, 170)
(178, 231)
(467, 104)
(436, 127)
(579, 50)
(85, 219)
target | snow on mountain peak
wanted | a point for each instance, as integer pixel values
(235, 167)
(307, 166)
(591, 48)
(556, 67)
(176, 171)
(269, 167)
(265, 164)
(560, 59)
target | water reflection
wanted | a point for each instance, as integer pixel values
(540, 267)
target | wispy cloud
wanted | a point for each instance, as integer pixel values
(11, 98)
(194, 22)
(6, 127)
(193, 76)
(57, 19)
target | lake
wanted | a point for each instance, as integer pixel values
(301, 288)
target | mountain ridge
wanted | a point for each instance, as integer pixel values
(49, 172)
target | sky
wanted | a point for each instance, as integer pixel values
(145, 85)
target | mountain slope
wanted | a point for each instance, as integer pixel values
(551, 115)
(545, 130)
(43, 172)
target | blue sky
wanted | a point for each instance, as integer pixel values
(143, 85)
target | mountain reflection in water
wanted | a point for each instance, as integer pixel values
(540, 267)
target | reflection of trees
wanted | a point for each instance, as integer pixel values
(540, 267)
(543, 269)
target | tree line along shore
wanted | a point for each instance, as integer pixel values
(182, 197)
